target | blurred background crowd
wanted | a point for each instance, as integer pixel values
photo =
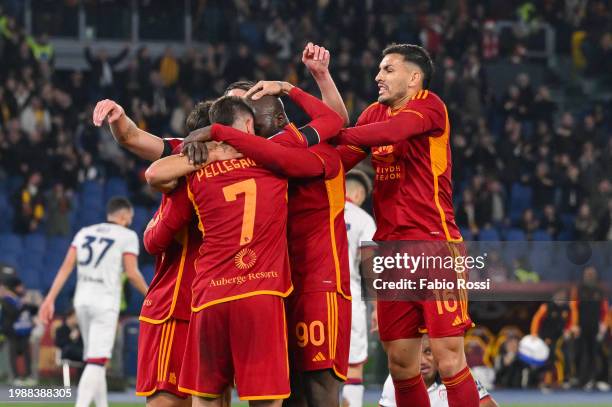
(528, 86)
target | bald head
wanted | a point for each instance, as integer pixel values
(270, 116)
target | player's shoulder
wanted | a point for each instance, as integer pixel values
(373, 108)
(426, 98)
(356, 211)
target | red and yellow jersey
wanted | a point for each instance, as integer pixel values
(169, 293)
(242, 215)
(318, 244)
(411, 156)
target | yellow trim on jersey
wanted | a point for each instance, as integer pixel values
(145, 393)
(177, 285)
(355, 148)
(239, 296)
(439, 163)
(340, 376)
(195, 206)
(335, 196)
(329, 327)
(169, 350)
(411, 111)
(272, 397)
(161, 349)
(199, 394)
(286, 337)
(297, 132)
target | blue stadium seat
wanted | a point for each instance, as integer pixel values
(131, 327)
(515, 235)
(541, 236)
(489, 235)
(6, 208)
(541, 257)
(57, 246)
(30, 270)
(466, 234)
(35, 243)
(14, 183)
(520, 200)
(10, 242)
(148, 271)
(115, 187)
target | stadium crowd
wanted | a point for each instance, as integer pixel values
(526, 159)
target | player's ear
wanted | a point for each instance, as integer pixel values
(250, 125)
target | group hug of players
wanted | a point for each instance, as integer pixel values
(252, 285)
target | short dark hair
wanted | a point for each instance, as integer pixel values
(198, 117)
(417, 55)
(116, 204)
(226, 110)
(243, 85)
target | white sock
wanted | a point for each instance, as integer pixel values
(92, 386)
(353, 394)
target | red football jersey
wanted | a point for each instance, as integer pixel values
(242, 215)
(411, 156)
(169, 293)
(318, 245)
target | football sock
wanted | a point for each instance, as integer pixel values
(92, 386)
(352, 393)
(411, 392)
(461, 389)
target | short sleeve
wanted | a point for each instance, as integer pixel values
(131, 245)
(369, 229)
(76, 241)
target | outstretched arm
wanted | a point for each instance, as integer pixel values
(47, 308)
(145, 145)
(289, 161)
(317, 59)
(408, 123)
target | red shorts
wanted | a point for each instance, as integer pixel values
(412, 319)
(243, 340)
(319, 332)
(160, 356)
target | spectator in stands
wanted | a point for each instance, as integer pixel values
(68, 338)
(585, 223)
(554, 323)
(508, 367)
(29, 207)
(543, 107)
(543, 187)
(17, 324)
(572, 190)
(169, 68)
(58, 207)
(103, 70)
(523, 272)
(529, 223)
(89, 171)
(35, 117)
(592, 309)
(551, 223)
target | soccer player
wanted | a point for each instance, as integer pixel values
(435, 389)
(166, 308)
(102, 253)
(409, 131)
(360, 228)
(237, 329)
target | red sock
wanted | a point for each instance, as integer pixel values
(461, 390)
(411, 392)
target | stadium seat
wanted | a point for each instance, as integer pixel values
(30, 270)
(130, 328)
(115, 187)
(10, 242)
(148, 271)
(541, 260)
(541, 236)
(35, 243)
(520, 200)
(467, 234)
(489, 235)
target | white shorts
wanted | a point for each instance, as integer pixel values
(98, 327)
(358, 351)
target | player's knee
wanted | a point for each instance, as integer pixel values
(401, 367)
(450, 364)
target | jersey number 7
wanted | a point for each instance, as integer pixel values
(89, 240)
(249, 189)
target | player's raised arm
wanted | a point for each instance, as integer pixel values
(174, 213)
(145, 145)
(316, 59)
(47, 308)
(325, 122)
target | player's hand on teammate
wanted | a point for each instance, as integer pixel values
(46, 311)
(218, 151)
(107, 109)
(194, 147)
(268, 88)
(316, 59)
